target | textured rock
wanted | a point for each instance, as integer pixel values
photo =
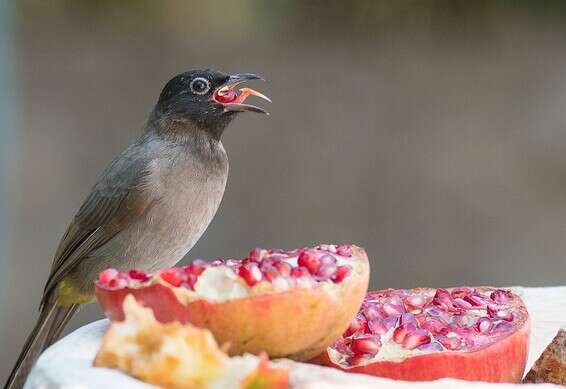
(551, 366)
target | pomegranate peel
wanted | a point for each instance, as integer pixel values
(430, 334)
(244, 307)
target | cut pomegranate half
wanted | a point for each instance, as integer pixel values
(286, 303)
(475, 334)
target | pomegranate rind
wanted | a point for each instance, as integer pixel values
(503, 361)
(298, 323)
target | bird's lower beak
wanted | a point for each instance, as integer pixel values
(233, 100)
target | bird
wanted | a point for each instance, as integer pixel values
(150, 205)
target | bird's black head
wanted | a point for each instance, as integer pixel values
(206, 99)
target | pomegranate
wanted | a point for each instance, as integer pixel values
(286, 303)
(476, 334)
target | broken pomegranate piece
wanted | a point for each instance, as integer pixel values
(476, 334)
(286, 303)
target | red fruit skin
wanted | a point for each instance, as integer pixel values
(297, 324)
(503, 361)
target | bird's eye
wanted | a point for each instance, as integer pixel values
(199, 86)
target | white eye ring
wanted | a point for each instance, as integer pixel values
(201, 92)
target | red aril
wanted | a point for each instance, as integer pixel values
(287, 303)
(476, 334)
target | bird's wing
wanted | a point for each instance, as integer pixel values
(116, 200)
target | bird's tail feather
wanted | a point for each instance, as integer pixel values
(51, 322)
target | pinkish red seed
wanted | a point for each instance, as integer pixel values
(402, 331)
(483, 325)
(138, 275)
(372, 311)
(309, 259)
(382, 326)
(256, 254)
(284, 268)
(442, 298)
(461, 303)
(501, 296)
(393, 309)
(450, 343)
(269, 272)
(344, 250)
(431, 347)
(407, 318)
(298, 272)
(250, 273)
(357, 325)
(217, 262)
(343, 347)
(416, 300)
(476, 301)
(502, 326)
(435, 326)
(341, 273)
(326, 271)
(462, 292)
(365, 344)
(107, 275)
(415, 339)
(171, 276)
(117, 283)
(196, 267)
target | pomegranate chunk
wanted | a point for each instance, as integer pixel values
(442, 333)
(315, 291)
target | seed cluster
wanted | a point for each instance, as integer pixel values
(427, 320)
(304, 267)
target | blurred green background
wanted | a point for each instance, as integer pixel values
(433, 133)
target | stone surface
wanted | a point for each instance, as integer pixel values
(68, 363)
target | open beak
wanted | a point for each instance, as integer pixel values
(232, 99)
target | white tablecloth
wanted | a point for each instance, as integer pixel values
(68, 363)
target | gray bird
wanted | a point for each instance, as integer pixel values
(151, 204)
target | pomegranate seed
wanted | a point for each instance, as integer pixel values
(326, 247)
(250, 273)
(358, 360)
(107, 275)
(460, 302)
(284, 268)
(502, 326)
(269, 272)
(326, 271)
(393, 309)
(217, 262)
(298, 272)
(344, 250)
(501, 296)
(451, 343)
(483, 325)
(190, 282)
(504, 315)
(171, 276)
(138, 275)
(341, 273)
(358, 324)
(343, 347)
(382, 326)
(309, 259)
(415, 339)
(196, 267)
(431, 347)
(416, 300)
(117, 283)
(407, 318)
(365, 344)
(462, 292)
(372, 312)
(442, 298)
(435, 326)
(476, 301)
(256, 254)
(402, 331)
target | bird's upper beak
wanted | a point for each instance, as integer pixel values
(233, 100)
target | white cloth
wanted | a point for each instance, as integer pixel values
(68, 363)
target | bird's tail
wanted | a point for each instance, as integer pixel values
(49, 326)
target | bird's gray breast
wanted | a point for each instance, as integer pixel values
(187, 190)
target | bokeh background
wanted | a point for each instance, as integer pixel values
(433, 133)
